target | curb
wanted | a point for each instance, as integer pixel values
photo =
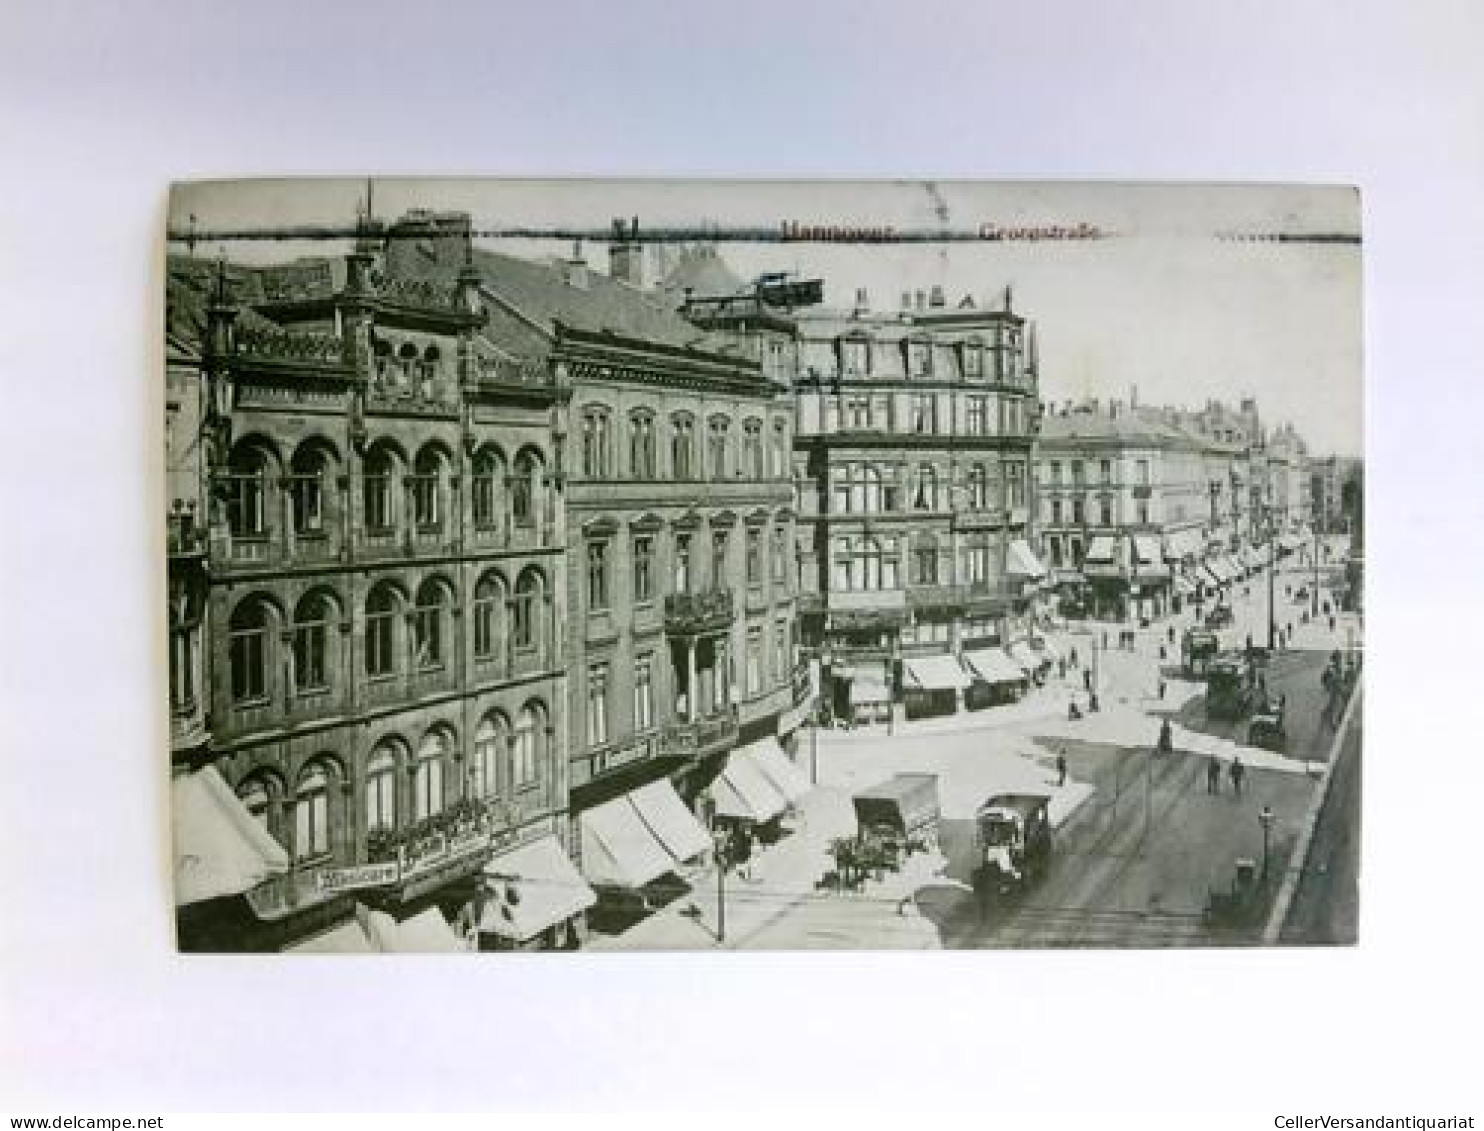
(1299, 861)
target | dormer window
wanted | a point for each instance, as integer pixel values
(854, 357)
(973, 359)
(919, 359)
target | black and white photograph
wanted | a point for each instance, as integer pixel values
(726, 565)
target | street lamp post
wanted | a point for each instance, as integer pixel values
(1272, 581)
(719, 838)
(1266, 818)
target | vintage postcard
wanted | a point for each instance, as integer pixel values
(762, 566)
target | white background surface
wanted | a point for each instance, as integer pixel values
(101, 106)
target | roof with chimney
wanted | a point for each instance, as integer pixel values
(697, 271)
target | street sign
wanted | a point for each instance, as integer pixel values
(353, 879)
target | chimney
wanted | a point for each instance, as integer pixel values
(1133, 396)
(626, 253)
(862, 300)
(906, 300)
(920, 300)
(574, 270)
(935, 298)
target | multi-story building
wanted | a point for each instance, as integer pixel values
(385, 539)
(681, 639)
(1123, 497)
(913, 456)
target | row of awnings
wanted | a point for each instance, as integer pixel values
(627, 842)
(1011, 664)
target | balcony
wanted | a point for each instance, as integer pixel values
(690, 614)
(702, 737)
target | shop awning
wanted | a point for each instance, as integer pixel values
(935, 673)
(1147, 551)
(533, 887)
(618, 850)
(1021, 653)
(348, 938)
(743, 793)
(675, 826)
(774, 764)
(219, 848)
(1100, 549)
(1022, 561)
(427, 932)
(868, 687)
(992, 666)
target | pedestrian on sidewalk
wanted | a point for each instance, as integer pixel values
(1166, 738)
(1074, 657)
(1087, 679)
(1161, 687)
(1061, 769)
(1171, 634)
(1213, 775)
(1238, 772)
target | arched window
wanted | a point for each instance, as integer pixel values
(488, 472)
(312, 813)
(523, 489)
(682, 562)
(595, 443)
(307, 489)
(529, 735)
(428, 626)
(312, 620)
(381, 351)
(779, 459)
(752, 449)
(247, 647)
(406, 365)
(682, 448)
(383, 608)
(256, 799)
(642, 464)
(528, 591)
(377, 478)
(427, 776)
(427, 487)
(247, 491)
(716, 448)
(484, 775)
(489, 611)
(381, 789)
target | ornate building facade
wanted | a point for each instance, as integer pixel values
(385, 540)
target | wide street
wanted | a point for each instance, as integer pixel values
(1141, 841)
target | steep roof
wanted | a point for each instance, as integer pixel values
(1129, 426)
(541, 295)
(189, 284)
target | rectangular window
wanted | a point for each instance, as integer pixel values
(682, 563)
(1143, 512)
(1105, 471)
(1055, 473)
(976, 420)
(719, 543)
(1056, 512)
(643, 693)
(754, 661)
(312, 824)
(597, 705)
(1105, 512)
(1143, 472)
(643, 568)
(754, 556)
(309, 657)
(1078, 515)
(1077, 476)
(308, 500)
(780, 557)
(379, 633)
(925, 565)
(973, 361)
(376, 495)
(248, 670)
(1053, 547)
(597, 576)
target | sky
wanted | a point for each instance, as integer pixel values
(1163, 302)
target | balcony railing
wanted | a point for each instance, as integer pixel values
(284, 345)
(701, 737)
(691, 613)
